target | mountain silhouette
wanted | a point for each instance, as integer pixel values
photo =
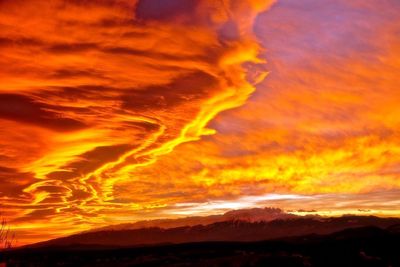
(231, 230)
(250, 215)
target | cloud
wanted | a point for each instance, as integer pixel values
(94, 90)
(166, 11)
(21, 108)
(13, 182)
(117, 110)
(323, 123)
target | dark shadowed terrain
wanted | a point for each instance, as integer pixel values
(367, 246)
(231, 230)
(359, 245)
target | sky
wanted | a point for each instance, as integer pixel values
(115, 111)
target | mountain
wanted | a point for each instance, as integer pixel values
(250, 215)
(360, 246)
(231, 230)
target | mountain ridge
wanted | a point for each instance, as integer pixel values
(252, 215)
(231, 230)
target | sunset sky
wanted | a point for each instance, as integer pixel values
(115, 111)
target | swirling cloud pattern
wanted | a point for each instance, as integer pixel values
(117, 110)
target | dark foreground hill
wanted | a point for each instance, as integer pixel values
(365, 246)
(233, 230)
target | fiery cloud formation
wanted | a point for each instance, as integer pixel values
(110, 109)
(93, 90)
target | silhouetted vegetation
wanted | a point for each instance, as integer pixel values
(7, 237)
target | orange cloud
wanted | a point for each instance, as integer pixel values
(322, 127)
(115, 111)
(94, 90)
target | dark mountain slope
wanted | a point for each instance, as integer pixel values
(223, 231)
(362, 246)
